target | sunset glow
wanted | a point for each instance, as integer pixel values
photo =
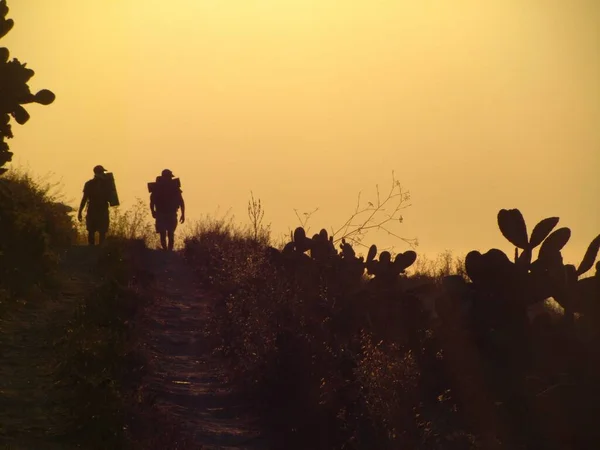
(476, 106)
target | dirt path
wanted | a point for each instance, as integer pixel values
(31, 407)
(184, 379)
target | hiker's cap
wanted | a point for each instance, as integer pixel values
(167, 173)
(99, 169)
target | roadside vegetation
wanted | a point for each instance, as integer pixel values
(387, 351)
(71, 364)
(338, 344)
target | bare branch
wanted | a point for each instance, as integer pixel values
(256, 215)
(377, 217)
(307, 216)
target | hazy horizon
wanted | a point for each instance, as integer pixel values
(475, 108)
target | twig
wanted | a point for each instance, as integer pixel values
(355, 231)
(307, 216)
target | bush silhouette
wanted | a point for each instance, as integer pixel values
(343, 349)
(34, 229)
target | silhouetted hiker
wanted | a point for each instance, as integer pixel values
(96, 194)
(165, 200)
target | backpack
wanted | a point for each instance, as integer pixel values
(113, 197)
(165, 193)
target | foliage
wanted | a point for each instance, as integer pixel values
(518, 284)
(72, 363)
(444, 264)
(345, 354)
(256, 214)
(134, 223)
(100, 365)
(35, 227)
(293, 325)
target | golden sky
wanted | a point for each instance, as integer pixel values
(476, 106)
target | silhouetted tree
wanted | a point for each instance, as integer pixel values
(14, 91)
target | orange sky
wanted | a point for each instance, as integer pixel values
(476, 105)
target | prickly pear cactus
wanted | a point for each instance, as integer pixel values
(404, 260)
(301, 242)
(385, 269)
(513, 228)
(512, 225)
(372, 253)
(523, 282)
(589, 257)
(542, 230)
(555, 242)
(347, 250)
(321, 247)
(343, 268)
(584, 293)
(490, 269)
(351, 268)
(14, 91)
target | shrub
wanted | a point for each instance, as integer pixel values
(299, 332)
(134, 223)
(101, 366)
(340, 358)
(34, 228)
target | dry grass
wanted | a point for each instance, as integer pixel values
(133, 223)
(302, 351)
(366, 368)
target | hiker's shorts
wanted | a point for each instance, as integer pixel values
(166, 222)
(97, 220)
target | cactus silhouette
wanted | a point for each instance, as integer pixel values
(321, 246)
(530, 282)
(372, 253)
(590, 256)
(555, 242)
(581, 296)
(301, 242)
(385, 269)
(347, 250)
(346, 266)
(486, 317)
(512, 225)
(14, 91)
(542, 230)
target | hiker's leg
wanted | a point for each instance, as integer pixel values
(103, 228)
(90, 227)
(163, 239)
(171, 239)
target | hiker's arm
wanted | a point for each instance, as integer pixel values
(182, 206)
(152, 205)
(84, 200)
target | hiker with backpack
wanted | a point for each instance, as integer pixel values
(98, 194)
(165, 200)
